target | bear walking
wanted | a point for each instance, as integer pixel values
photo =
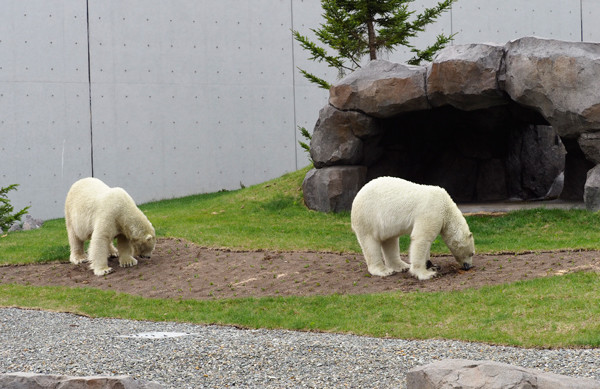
(98, 213)
(388, 207)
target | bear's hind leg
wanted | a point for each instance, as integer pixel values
(112, 251)
(77, 250)
(419, 255)
(98, 255)
(126, 258)
(373, 256)
(391, 254)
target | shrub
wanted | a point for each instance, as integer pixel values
(7, 217)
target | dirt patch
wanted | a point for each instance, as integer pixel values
(179, 269)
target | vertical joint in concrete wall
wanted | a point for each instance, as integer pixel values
(89, 64)
(294, 84)
(581, 18)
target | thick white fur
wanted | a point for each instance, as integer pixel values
(388, 207)
(96, 212)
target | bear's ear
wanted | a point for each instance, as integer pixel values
(470, 234)
(148, 237)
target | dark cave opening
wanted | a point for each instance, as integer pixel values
(505, 152)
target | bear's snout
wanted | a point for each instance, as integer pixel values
(467, 266)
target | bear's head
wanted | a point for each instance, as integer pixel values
(463, 251)
(143, 247)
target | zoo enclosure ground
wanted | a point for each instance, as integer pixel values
(180, 269)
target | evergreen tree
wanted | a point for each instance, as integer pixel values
(357, 28)
(7, 218)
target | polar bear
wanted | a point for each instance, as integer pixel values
(388, 207)
(98, 213)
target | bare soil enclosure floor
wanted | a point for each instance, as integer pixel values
(179, 269)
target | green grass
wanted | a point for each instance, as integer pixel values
(551, 312)
(45, 244)
(268, 216)
(272, 215)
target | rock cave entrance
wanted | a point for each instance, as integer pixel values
(487, 122)
(495, 154)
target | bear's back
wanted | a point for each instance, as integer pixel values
(386, 197)
(92, 195)
(84, 193)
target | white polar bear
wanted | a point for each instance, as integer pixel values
(96, 212)
(388, 207)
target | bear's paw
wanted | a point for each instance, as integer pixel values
(381, 271)
(113, 252)
(127, 262)
(103, 271)
(77, 259)
(423, 274)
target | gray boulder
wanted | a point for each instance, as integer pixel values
(31, 224)
(556, 78)
(336, 137)
(49, 381)
(25, 225)
(16, 226)
(483, 121)
(466, 374)
(381, 89)
(465, 77)
(332, 189)
(536, 159)
(590, 146)
(591, 191)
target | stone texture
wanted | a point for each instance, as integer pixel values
(332, 189)
(484, 121)
(576, 169)
(465, 76)
(466, 374)
(536, 159)
(25, 225)
(48, 381)
(336, 137)
(591, 192)
(590, 145)
(31, 224)
(558, 79)
(381, 89)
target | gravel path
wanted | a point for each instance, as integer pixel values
(196, 356)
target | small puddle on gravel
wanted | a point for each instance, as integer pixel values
(156, 335)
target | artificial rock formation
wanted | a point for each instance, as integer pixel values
(486, 122)
(53, 381)
(466, 374)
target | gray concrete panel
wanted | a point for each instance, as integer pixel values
(502, 21)
(590, 13)
(44, 120)
(189, 96)
(308, 97)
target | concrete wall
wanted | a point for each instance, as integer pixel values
(174, 97)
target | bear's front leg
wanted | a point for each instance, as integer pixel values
(98, 254)
(125, 248)
(419, 255)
